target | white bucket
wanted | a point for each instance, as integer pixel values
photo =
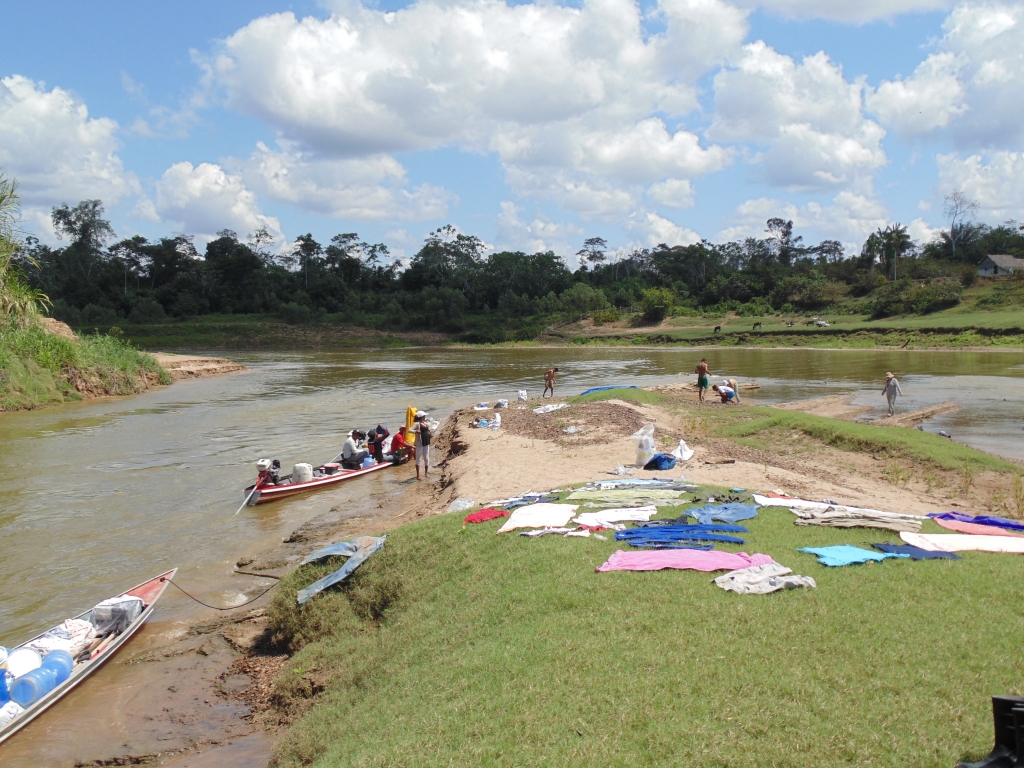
(302, 473)
(22, 660)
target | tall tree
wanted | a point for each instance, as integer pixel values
(959, 209)
(593, 251)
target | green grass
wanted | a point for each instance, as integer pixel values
(642, 396)
(890, 442)
(457, 647)
(38, 368)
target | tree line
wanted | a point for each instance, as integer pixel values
(454, 286)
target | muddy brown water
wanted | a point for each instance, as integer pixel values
(99, 496)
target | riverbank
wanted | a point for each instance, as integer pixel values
(180, 367)
(502, 650)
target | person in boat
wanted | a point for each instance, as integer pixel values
(375, 441)
(353, 452)
(423, 433)
(400, 448)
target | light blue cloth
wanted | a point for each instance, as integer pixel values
(357, 558)
(845, 554)
(723, 513)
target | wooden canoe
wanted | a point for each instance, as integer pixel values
(265, 493)
(149, 592)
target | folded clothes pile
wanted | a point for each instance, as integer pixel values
(853, 517)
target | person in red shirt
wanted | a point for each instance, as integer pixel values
(400, 449)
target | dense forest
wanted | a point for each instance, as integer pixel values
(454, 286)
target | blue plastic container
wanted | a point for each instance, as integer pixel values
(4, 695)
(369, 462)
(61, 663)
(32, 686)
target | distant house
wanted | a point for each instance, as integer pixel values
(1000, 264)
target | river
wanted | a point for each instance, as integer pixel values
(101, 495)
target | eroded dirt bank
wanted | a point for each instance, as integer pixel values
(195, 366)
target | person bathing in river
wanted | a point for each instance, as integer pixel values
(892, 388)
(727, 393)
(423, 434)
(549, 382)
(702, 378)
(352, 453)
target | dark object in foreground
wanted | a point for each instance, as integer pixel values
(1008, 752)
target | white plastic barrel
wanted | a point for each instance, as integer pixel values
(302, 473)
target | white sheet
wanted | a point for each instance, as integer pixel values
(964, 542)
(767, 501)
(608, 517)
(542, 516)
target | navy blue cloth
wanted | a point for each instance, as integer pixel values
(723, 513)
(998, 522)
(662, 536)
(531, 500)
(915, 553)
(661, 461)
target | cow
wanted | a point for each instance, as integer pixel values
(756, 325)
(718, 328)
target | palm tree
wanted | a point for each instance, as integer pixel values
(891, 243)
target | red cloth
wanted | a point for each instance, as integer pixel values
(487, 513)
(983, 530)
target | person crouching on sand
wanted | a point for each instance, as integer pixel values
(728, 394)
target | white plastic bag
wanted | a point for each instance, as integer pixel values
(522, 396)
(501, 403)
(496, 421)
(572, 429)
(684, 452)
(461, 505)
(621, 470)
(645, 449)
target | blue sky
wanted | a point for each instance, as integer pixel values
(533, 126)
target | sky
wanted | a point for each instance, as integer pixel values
(533, 125)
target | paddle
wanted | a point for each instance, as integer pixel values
(254, 489)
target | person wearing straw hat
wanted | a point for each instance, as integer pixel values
(892, 388)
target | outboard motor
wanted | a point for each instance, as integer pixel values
(269, 467)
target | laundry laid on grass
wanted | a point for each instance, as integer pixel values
(526, 501)
(682, 559)
(850, 517)
(582, 532)
(964, 542)
(793, 504)
(541, 515)
(762, 579)
(626, 494)
(367, 545)
(997, 522)
(915, 553)
(722, 513)
(482, 515)
(976, 528)
(845, 554)
(679, 536)
(607, 518)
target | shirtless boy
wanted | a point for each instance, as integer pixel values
(702, 378)
(549, 382)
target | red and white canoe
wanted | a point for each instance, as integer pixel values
(266, 491)
(149, 592)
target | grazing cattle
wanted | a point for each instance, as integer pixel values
(821, 324)
(756, 325)
(718, 328)
(789, 325)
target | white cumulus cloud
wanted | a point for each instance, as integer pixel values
(808, 117)
(56, 151)
(845, 10)
(361, 188)
(994, 181)
(850, 218)
(204, 199)
(928, 99)
(540, 234)
(654, 230)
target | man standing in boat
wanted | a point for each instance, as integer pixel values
(422, 432)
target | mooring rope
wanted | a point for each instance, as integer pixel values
(230, 608)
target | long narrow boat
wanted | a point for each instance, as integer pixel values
(324, 476)
(149, 592)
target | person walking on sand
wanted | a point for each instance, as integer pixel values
(702, 379)
(422, 432)
(892, 388)
(549, 382)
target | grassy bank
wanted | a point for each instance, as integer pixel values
(39, 368)
(454, 646)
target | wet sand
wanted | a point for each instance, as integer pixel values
(195, 366)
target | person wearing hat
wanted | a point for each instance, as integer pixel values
(422, 432)
(892, 388)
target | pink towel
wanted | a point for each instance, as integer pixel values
(695, 559)
(982, 530)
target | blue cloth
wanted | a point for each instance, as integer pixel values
(845, 554)
(661, 536)
(916, 553)
(531, 500)
(604, 389)
(723, 513)
(661, 461)
(997, 522)
(357, 559)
